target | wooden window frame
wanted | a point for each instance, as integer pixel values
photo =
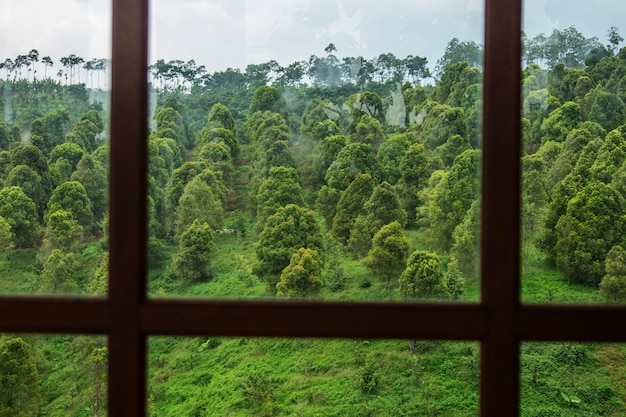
(499, 321)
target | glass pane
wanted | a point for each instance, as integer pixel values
(302, 377)
(324, 150)
(53, 375)
(572, 379)
(574, 149)
(54, 113)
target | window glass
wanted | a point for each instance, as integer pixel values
(573, 379)
(573, 153)
(54, 112)
(240, 376)
(315, 149)
(53, 375)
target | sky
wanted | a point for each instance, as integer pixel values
(233, 33)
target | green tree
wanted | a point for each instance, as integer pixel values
(60, 271)
(560, 122)
(318, 118)
(611, 155)
(21, 213)
(69, 151)
(370, 131)
(453, 196)
(20, 382)
(71, 196)
(441, 122)
(391, 155)
(390, 250)
(454, 279)
(268, 98)
(351, 160)
(326, 203)
(29, 155)
(383, 207)
(457, 51)
(613, 284)
(592, 225)
(30, 182)
(286, 231)
(465, 248)
(217, 156)
(608, 110)
(281, 187)
(351, 205)
(181, 176)
(93, 177)
(99, 284)
(222, 116)
(196, 251)
(62, 231)
(366, 103)
(414, 170)
(423, 277)
(98, 365)
(7, 237)
(198, 203)
(220, 134)
(324, 155)
(302, 278)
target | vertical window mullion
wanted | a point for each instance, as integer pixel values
(500, 207)
(127, 228)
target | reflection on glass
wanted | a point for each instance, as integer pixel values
(303, 151)
(573, 155)
(239, 376)
(53, 375)
(573, 379)
(53, 146)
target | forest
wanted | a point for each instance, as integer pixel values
(353, 179)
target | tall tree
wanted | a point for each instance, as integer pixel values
(423, 277)
(93, 177)
(20, 382)
(593, 223)
(390, 250)
(196, 250)
(351, 205)
(60, 271)
(286, 231)
(453, 196)
(302, 278)
(21, 213)
(198, 202)
(71, 196)
(382, 207)
(613, 284)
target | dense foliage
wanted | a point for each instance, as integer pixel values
(318, 181)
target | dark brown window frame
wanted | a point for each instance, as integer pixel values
(499, 322)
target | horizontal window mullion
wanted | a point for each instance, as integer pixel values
(54, 315)
(572, 323)
(315, 319)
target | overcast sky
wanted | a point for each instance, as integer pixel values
(233, 33)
